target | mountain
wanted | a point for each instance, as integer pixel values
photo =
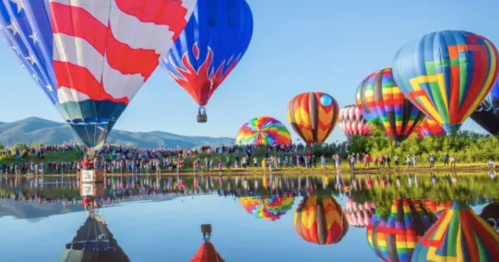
(35, 130)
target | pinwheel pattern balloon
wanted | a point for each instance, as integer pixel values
(394, 238)
(211, 45)
(380, 100)
(490, 214)
(429, 127)
(320, 220)
(91, 57)
(487, 113)
(458, 235)
(352, 122)
(263, 131)
(447, 74)
(313, 116)
(272, 208)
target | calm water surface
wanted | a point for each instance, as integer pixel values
(159, 219)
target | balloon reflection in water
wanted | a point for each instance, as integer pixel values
(359, 215)
(394, 238)
(490, 214)
(458, 235)
(93, 242)
(207, 252)
(437, 207)
(271, 208)
(320, 220)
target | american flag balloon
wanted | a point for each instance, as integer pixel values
(212, 44)
(352, 122)
(92, 56)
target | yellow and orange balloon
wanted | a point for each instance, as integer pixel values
(320, 220)
(313, 116)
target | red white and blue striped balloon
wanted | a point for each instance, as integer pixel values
(92, 57)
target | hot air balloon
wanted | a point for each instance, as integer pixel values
(446, 74)
(352, 122)
(490, 214)
(320, 220)
(271, 208)
(313, 116)
(487, 113)
(91, 57)
(394, 238)
(359, 215)
(429, 127)
(263, 131)
(212, 44)
(458, 235)
(437, 207)
(380, 100)
(207, 252)
(93, 242)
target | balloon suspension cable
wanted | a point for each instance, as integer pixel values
(206, 230)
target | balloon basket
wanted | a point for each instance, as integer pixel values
(91, 176)
(202, 117)
(91, 190)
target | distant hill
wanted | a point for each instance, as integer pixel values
(35, 130)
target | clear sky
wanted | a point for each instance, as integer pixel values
(297, 46)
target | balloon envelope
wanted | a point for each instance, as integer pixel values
(320, 220)
(313, 116)
(446, 74)
(458, 235)
(211, 45)
(92, 58)
(267, 208)
(429, 127)
(380, 100)
(487, 113)
(352, 122)
(359, 215)
(263, 131)
(394, 238)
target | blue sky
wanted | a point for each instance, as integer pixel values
(297, 46)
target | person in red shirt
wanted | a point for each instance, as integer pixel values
(85, 163)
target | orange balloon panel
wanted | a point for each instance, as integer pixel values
(313, 116)
(320, 220)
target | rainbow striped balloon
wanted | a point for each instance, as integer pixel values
(394, 239)
(379, 99)
(458, 235)
(263, 130)
(267, 208)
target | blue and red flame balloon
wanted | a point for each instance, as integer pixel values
(211, 45)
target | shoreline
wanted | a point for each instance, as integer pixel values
(295, 171)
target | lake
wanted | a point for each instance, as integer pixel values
(252, 218)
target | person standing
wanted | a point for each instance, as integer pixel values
(446, 159)
(453, 161)
(414, 160)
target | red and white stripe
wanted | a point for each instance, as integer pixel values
(107, 49)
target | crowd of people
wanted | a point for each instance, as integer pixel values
(124, 159)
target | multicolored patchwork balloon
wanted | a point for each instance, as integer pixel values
(437, 207)
(313, 116)
(487, 113)
(267, 208)
(447, 74)
(359, 215)
(380, 100)
(394, 238)
(352, 122)
(458, 235)
(263, 130)
(429, 127)
(320, 220)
